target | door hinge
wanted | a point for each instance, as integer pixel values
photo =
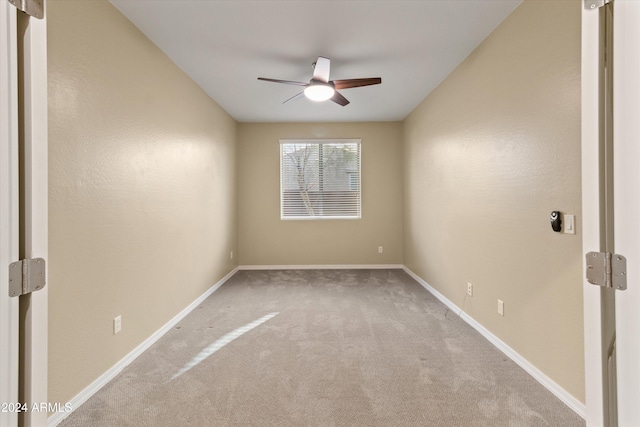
(33, 8)
(26, 276)
(595, 4)
(607, 270)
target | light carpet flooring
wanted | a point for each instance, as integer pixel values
(323, 348)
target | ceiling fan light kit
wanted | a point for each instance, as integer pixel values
(320, 88)
(319, 92)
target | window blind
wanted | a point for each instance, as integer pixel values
(320, 179)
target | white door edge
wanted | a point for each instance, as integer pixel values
(9, 320)
(594, 387)
(36, 216)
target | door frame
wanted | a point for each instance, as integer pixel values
(626, 128)
(626, 208)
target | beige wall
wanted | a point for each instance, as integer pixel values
(264, 239)
(488, 155)
(142, 191)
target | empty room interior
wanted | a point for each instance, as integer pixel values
(165, 213)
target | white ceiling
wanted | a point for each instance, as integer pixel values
(226, 45)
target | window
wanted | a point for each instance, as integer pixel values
(320, 179)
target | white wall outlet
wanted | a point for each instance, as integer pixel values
(231, 255)
(569, 224)
(501, 307)
(469, 289)
(117, 324)
(380, 249)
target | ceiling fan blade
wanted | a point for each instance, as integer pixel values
(321, 69)
(296, 96)
(287, 82)
(339, 99)
(345, 84)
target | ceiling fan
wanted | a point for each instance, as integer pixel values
(320, 88)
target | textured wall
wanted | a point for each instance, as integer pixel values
(264, 239)
(142, 191)
(488, 155)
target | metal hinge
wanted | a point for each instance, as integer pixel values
(26, 276)
(607, 270)
(33, 8)
(595, 4)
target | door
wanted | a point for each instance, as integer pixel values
(23, 213)
(8, 213)
(611, 206)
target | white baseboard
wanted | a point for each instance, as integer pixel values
(322, 267)
(573, 403)
(92, 388)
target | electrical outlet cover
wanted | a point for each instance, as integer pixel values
(117, 324)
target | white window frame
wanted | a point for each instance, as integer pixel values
(359, 173)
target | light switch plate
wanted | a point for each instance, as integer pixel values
(569, 224)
